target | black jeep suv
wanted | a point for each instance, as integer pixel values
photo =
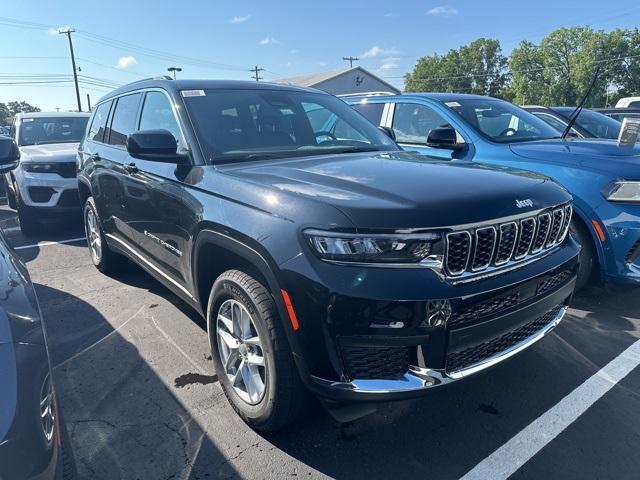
(324, 261)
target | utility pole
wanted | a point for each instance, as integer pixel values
(88, 102)
(351, 60)
(68, 33)
(256, 73)
(174, 70)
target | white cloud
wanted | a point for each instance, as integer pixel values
(239, 19)
(126, 62)
(294, 51)
(268, 40)
(389, 64)
(376, 51)
(442, 11)
(57, 30)
(286, 64)
(388, 15)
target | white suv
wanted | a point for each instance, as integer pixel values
(45, 180)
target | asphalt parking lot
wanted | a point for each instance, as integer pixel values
(136, 383)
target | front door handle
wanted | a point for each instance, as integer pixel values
(131, 168)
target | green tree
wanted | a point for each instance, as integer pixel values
(478, 68)
(8, 110)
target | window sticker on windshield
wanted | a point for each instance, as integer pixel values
(25, 120)
(452, 104)
(193, 93)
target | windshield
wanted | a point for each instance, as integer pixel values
(596, 124)
(501, 121)
(236, 125)
(41, 130)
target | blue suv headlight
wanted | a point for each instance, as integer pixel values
(372, 248)
(624, 191)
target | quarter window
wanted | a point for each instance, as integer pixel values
(124, 119)
(412, 122)
(158, 114)
(99, 122)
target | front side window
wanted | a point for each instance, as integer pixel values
(99, 122)
(44, 130)
(235, 125)
(124, 119)
(599, 125)
(413, 122)
(501, 121)
(158, 114)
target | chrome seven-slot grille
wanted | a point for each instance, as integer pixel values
(475, 250)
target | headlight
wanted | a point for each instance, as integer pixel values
(40, 167)
(623, 191)
(372, 248)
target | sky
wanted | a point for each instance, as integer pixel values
(118, 41)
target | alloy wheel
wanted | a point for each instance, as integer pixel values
(93, 236)
(241, 351)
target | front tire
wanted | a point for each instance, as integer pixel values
(251, 353)
(588, 256)
(28, 217)
(103, 258)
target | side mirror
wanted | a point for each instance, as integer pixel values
(388, 132)
(154, 145)
(9, 154)
(444, 137)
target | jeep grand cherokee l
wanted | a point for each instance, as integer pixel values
(44, 183)
(323, 262)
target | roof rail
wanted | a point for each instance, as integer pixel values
(365, 94)
(160, 77)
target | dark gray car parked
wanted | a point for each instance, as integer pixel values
(33, 438)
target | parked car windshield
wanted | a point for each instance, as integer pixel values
(501, 121)
(237, 125)
(41, 130)
(597, 124)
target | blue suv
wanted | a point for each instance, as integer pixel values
(603, 178)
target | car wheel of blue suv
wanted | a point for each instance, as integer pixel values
(251, 354)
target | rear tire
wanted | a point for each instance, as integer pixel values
(283, 398)
(103, 258)
(588, 257)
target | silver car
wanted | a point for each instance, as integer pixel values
(45, 181)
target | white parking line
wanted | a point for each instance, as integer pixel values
(99, 341)
(177, 347)
(44, 244)
(505, 461)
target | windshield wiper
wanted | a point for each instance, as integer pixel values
(353, 149)
(576, 112)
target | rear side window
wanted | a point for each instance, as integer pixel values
(124, 119)
(158, 114)
(99, 122)
(370, 111)
(412, 122)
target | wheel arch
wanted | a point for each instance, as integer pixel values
(585, 221)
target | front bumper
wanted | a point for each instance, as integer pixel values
(47, 190)
(621, 248)
(360, 349)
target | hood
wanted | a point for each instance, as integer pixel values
(50, 153)
(401, 190)
(604, 155)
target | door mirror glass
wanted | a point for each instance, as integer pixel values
(155, 145)
(9, 154)
(444, 137)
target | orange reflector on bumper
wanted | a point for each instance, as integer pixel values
(598, 229)
(292, 313)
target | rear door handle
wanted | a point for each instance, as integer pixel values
(131, 167)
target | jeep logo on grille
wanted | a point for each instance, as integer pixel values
(527, 202)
